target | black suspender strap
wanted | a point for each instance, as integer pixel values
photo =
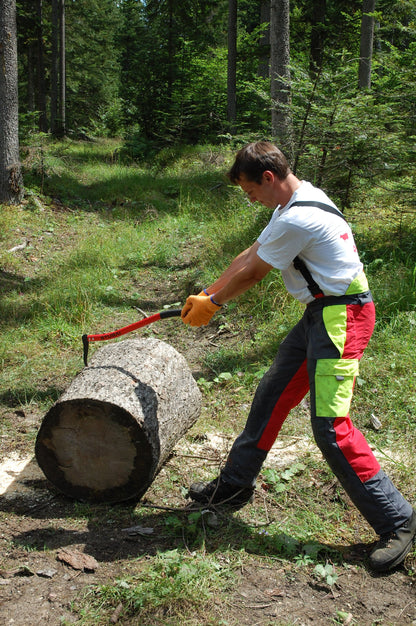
(320, 205)
(298, 264)
(313, 286)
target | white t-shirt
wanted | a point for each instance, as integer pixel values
(322, 240)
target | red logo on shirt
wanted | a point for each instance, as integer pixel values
(344, 236)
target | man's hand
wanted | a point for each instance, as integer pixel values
(198, 310)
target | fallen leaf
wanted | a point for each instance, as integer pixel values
(116, 615)
(375, 422)
(273, 592)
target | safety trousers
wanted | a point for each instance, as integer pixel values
(321, 355)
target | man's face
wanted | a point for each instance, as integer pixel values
(265, 192)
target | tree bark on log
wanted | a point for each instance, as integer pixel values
(109, 434)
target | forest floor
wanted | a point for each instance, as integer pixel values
(57, 554)
(38, 584)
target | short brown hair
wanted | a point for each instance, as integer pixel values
(256, 158)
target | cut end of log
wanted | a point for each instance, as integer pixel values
(94, 451)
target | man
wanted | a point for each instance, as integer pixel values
(309, 241)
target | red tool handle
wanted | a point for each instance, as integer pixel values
(87, 339)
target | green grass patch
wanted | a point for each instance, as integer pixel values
(171, 588)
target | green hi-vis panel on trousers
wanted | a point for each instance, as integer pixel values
(335, 320)
(334, 382)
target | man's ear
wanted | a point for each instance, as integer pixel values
(268, 176)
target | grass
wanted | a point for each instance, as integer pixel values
(174, 584)
(104, 239)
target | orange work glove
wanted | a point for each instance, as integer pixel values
(198, 310)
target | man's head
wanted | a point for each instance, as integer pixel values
(262, 172)
(255, 159)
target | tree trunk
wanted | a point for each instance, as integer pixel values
(366, 44)
(54, 67)
(41, 88)
(11, 183)
(109, 434)
(232, 64)
(31, 90)
(280, 74)
(264, 62)
(62, 69)
(318, 13)
(171, 51)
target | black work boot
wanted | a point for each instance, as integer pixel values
(220, 493)
(392, 547)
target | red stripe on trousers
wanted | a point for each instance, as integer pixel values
(360, 326)
(352, 443)
(290, 397)
(355, 448)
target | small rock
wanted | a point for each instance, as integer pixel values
(375, 422)
(47, 573)
(210, 518)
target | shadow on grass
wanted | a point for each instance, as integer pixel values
(10, 282)
(136, 190)
(110, 533)
(107, 538)
(25, 395)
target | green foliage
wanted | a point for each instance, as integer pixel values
(92, 65)
(272, 541)
(93, 70)
(326, 573)
(340, 28)
(280, 481)
(340, 145)
(167, 62)
(156, 73)
(344, 137)
(170, 584)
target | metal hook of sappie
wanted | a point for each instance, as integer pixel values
(86, 344)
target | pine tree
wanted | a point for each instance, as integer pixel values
(11, 183)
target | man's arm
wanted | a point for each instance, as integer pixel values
(246, 270)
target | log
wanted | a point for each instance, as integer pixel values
(110, 433)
